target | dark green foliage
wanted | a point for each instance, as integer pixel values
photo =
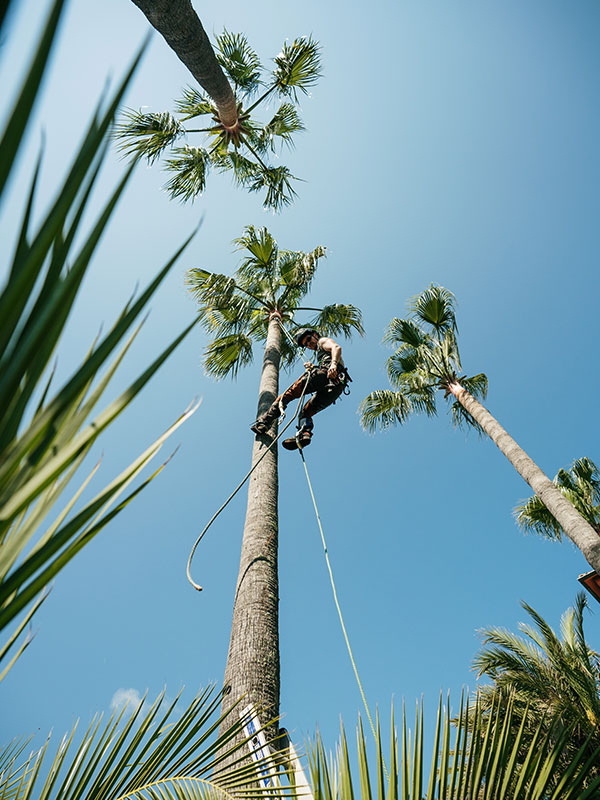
(242, 150)
(424, 362)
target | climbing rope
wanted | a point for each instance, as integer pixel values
(337, 605)
(197, 586)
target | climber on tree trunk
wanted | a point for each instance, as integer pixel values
(326, 382)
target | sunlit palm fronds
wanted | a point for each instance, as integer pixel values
(239, 61)
(426, 359)
(580, 484)
(298, 66)
(236, 311)
(479, 754)
(243, 149)
(556, 677)
(152, 751)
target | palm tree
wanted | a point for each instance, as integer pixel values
(427, 361)
(234, 140)
(254, 306)
(551, 680)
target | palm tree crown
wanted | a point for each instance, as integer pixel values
(552, 678)
(426, 359)
(244, 148)
(269, 282)
(580, 484)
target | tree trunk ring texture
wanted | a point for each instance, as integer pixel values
(252, 669)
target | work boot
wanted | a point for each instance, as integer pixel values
(300, 441)
(264, 421)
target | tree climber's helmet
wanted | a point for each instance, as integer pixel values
(302, 334)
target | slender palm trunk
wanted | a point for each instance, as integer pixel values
(252, 668)
(574, 525)
(182, 30)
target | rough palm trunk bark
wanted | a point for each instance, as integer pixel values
(574, 525)
(252, 668)
(182, 30)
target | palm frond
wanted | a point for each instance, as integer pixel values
(384, 408)
(435, 307)
(239, 61)
(146, 135)
(283, 125)
(532, 516)
(190, 166)
(277, 182)
(227, 355)
(193, 104)
(298, 66)
(148, 752)
(262, 248)
(338, 319)
(297, 270)
(405, 332)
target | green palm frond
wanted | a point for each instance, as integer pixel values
(384, 408)
(283, 125)
(477, 385)
(298, 66)
(277, 182)
(239, 61)
(155, 751)
(483, 754)
(580, 484)
(297, 270)
(262, 248)
(44, 443)
(532, 516)
(435, 307)
(556, 678)
(406, 333)
(337, 319)
(190, 166)
(193, 104)
(227, 355)
(146, 135)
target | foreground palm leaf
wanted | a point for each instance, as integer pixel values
(231, 142)
(427, 361)
(43, 443)
(150, 752)
(482, 756)
(263, 297)
(547, 678)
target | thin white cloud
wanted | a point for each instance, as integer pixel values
(125, 697)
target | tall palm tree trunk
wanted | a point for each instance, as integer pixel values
(252, 668)
(182, 30)
(574, 525)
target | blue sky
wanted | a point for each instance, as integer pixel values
(453, 143)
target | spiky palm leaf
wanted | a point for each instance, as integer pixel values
(556, 678)
(242, 149)
(151, 751)
(480, 754)
(43, 445)
(424, 362)
(239, 61)
(580, 484)
(236, 311)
